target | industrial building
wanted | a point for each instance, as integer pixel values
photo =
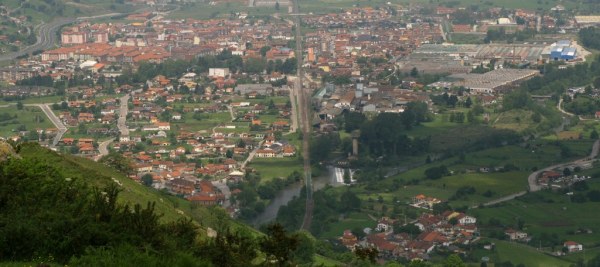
(563, 51)
(492, 82)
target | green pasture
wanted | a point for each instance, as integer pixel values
(270, 168)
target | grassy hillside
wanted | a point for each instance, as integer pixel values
(99, 175)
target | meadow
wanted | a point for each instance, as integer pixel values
(271, 168)
(552, 213)
(518, 254)
(31, 117)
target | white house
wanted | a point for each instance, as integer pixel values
(384, 224)
(466, 219)
(573, 246)
(218, 72)
(164, 126)
(515, 235)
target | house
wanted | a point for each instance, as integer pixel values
(265, 153)
(289, 151)
(515, 235)
(597, 115)
(68, 141)
(573, 246)
(384, 224)
(163, 126)
(85, 117)
(466, 219)
(349, 240)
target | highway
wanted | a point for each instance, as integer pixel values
(46, 39)
(48, 32)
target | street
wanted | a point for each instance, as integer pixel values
(103, 147)
(222, 186)
(123, 110)
(62, 129)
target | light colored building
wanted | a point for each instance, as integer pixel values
(218, 72)
(69, 38)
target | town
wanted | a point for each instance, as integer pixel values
(208, 110)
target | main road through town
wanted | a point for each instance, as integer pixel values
(123, 110)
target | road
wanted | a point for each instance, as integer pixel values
(294, 111)
(123, 110)
(230, 108)
(559, 107)
(442, 30)
(222, 185)
(532, 179)
(62, 129)
(103, 147)
(251, 155)
(47, 33)
(46, 38)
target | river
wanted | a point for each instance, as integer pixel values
(284, 196)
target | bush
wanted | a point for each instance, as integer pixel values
(435, 173)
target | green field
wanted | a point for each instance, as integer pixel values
(519, 254)
(326, 262)
(552, 213)
(31, 117)
(270, 168)
(35, 100)
(467, 38)
(350, 222)
(207, 121)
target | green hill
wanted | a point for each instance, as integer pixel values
(60, 209)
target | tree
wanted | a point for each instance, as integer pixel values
(229, 153)
(278, 245)
(567, 171)
(441, 207)
(536, 117)
(435, 173)
(594, 135)
(409, 229)
(414, 72)
(264, 50)
(594, 195)
(368, 253)
(19, 105)
(147, 179)
(454, 261)
(349, 201)
(306, 248)
(277, 6)
(347, 179)
(468, 102)
(117, 161)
